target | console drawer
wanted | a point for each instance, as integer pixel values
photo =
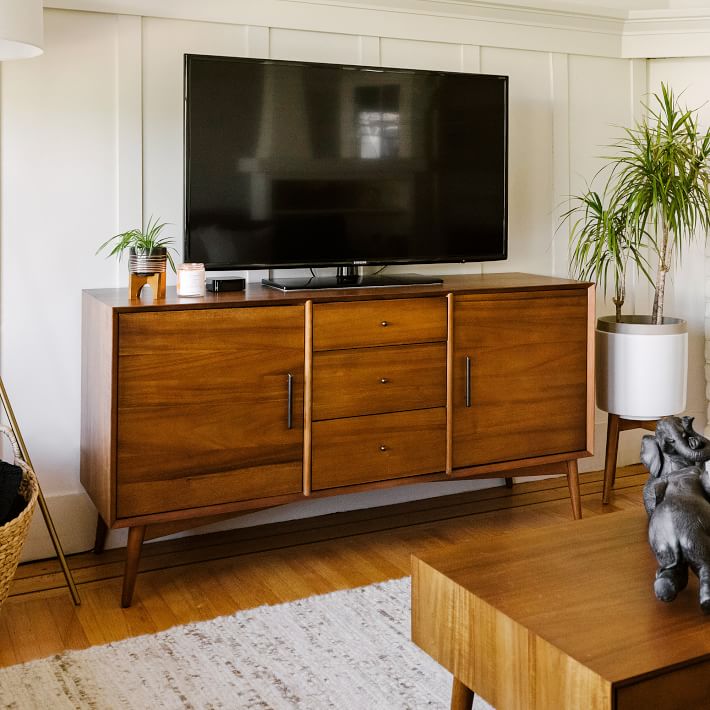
(378, 447)
(351, 383)
(388, 322)
(146, 497)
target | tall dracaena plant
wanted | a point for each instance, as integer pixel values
(660, 179)
(603, 242)
(656, 199)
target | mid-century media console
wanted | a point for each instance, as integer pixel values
(199, 409)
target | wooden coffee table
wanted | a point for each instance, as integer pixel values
(562, 617)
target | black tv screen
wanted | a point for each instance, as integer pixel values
(298, 164)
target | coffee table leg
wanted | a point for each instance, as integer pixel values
(461, 696)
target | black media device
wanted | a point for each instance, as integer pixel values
(233, 283)
(295, 164)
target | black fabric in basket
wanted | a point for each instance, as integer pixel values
(10, 480)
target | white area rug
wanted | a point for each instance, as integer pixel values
(348, 650)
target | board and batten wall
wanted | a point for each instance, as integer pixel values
(91, 137)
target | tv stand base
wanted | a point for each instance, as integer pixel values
(356, 281)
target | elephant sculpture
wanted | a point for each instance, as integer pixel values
(675, 445)
(679, 532)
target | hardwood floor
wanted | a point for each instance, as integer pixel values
(202, 577)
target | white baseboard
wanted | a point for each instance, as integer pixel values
(74, 518)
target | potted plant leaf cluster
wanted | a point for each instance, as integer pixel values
(148, 256)
(148, 251)
(654, 201)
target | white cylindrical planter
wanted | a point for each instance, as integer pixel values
(641, 368)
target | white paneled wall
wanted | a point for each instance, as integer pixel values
(531, 202)
(315, 46)
(92, 139)
(685, 296)
(59, 202)
(165, 42)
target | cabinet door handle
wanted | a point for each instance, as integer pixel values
(289, 416)
(383, 447)
(384, 324)
(383, 380)
(468, 381)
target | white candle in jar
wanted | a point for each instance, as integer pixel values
(191, 280)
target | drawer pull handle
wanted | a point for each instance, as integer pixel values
(383, 447)
(384, 380)
(468, 381)
(384, 324)
(289, 415)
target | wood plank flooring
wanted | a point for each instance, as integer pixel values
(201, 577)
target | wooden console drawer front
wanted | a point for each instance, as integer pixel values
(677, 689)
(387, 322)
(379, 447)
(145, 497)
(350, 383)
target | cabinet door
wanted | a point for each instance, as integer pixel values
(203, 407)
(524, 360)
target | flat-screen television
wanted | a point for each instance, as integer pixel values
(297, 164)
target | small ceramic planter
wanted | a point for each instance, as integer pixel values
(153, 262)
(641, 367)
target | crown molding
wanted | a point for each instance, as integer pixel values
(667, 33)
(539, 25)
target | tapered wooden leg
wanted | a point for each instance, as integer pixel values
(100, 539)
(461, 696)
(508, 482)
(133, 556)
(612, 448)
(573, 484)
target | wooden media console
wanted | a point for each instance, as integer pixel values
(195, 410)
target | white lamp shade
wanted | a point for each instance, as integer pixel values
(20, 29)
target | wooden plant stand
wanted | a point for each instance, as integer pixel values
(617, 424)
(156, 281)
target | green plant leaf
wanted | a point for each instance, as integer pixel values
(143, 241)
(655, 198)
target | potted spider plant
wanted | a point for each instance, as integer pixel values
(148, 250)
(654, 201)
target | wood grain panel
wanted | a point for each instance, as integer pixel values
(164, 443)
(679, 689)
(308, 399)
(257, 295)
(450, 300)
(350, 451)
(349, 383)
(583, 592)
(201, 395)
(98, 364)
(146, 496)
(225, 355)
(378, 322)
(445, 618)
(493, 653)
(528, 377)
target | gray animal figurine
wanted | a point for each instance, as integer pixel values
(675, 445)
(679, 533)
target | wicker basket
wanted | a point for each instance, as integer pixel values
(13, 533)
